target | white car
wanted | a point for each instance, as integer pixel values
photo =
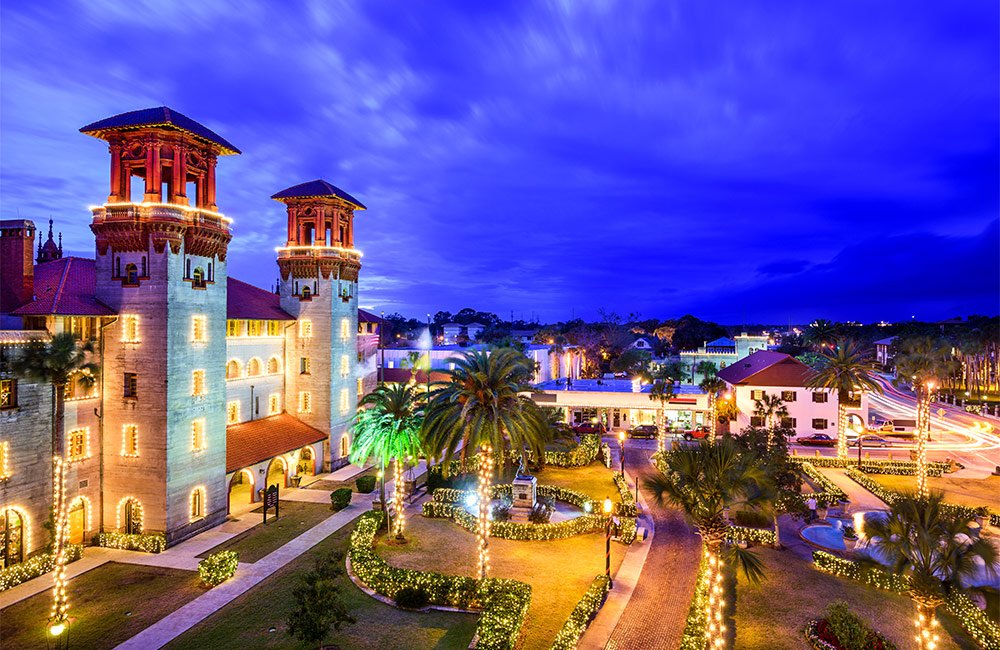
(871, 441)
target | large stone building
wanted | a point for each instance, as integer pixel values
(210, 388)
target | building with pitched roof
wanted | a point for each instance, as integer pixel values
(210, 388)
(722, 352)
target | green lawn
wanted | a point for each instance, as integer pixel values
(593, 480)
(772, 614)
(245, 622)
(107, 605)
(962, 491)
(296, 518)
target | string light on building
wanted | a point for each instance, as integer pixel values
(483, 493)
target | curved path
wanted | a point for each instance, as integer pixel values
(655, 616)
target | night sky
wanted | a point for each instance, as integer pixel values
(785, 161)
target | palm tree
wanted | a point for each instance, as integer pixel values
(847, 370)
(771, 408)
(822, 334)
(58, 362)
(923, 362)
(712, 385)
(704, 482)
(389, 430)
(661, 391)
(931, 548)
(485, 407)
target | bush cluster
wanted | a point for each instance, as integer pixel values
(751, 536)
(35, 566)
(218, 567)
(876, 465)
(365, 484)
(517, 530)
(145, 542)
(340, 498)
(627, 507)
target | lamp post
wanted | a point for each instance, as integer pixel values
(607, 543)
(621, 444)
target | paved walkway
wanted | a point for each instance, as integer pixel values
(859, 497)
(655, 615)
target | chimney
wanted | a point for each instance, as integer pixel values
(16, 264)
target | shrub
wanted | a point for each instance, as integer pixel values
(218, 567)
(582, 614)
(145, 542)
(850, 631)
(751, 518)
(33, 567)
(412, 598)
(540, 513)
(340, 498)
(318, 602)
(366, 483)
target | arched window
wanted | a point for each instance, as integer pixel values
(253, 367)
(12, 531)
(130, 516)
(131, 274)
(198, 277)
(306, 293)
(345, 445)
(233, 369)
(273, 365)
(197, 503)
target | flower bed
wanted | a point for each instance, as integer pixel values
(218, 567)
(584, 612)
(821, 637)
(891, 496)
(877, 465)
(35, 566)
(503, 602)
(985, 631)
(145, 542)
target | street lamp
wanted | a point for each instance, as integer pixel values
(607, 543)
(621, 443)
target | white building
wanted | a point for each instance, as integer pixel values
(883, 350)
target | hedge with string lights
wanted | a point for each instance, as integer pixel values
(584, 612)
(35, 566)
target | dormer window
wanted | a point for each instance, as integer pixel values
(131, 276)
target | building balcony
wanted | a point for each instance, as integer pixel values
(124, 213)
(318, 253)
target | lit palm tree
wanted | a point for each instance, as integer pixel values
(661, 391)
(389, 430)
(712, 385)
(704, 482)
(485, 407)
(771, 408)
(58, 362)
(931, 548)
(924, 363)
(847, 370)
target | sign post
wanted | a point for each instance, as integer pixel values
(271, 500)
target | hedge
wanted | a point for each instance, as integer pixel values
(829, 493)
(693, 637)
(891, 496)
(145, 542)
(513, 529)
(983, 630)
(365, 484)
(584, 612)
(218, 567)
(627, 507)
(341, 498)
(876, 465)
(35, 566)
(750, 536)
(504, 602)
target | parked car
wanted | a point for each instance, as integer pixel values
(648, 431)
(870, 440)
(588, 427)
(695, 434)
(817, 440)
(562, 430)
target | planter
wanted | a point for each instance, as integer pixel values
(821, 512)
(295, 481)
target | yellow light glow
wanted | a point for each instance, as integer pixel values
(56, 629)
(198, 510)
(176, 206)
(607, 505)
(130, 440)
(339, 249)
(4, 460)
(120, 510)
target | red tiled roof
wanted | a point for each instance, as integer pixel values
(247, 301)
(402, 375)
(65, 287)
(767, 368)
(252, 442)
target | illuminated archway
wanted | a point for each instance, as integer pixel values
(15, 536)
(79, 519)
(241, 488)
(129, 516)
(254, 367)
(233, 369)
(273, 365)
(277, 473)
(307, 462)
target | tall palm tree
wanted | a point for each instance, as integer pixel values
(704, 482)
(822, 334)
(661, 391)
(712, 385)
(847, 370)
(58, 362)
(924, 363)
(771, 408)
(931, 548)
(485, 407)
(389, 430)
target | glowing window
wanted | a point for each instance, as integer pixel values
(273, 365)
(197, 503)
(4, 460)
(232, 412)
(8, 393)
(233, 370)
(130, 440)
(305, 402)
(198, 383)
(345, 365)
(198, 435)
(345, 400)
(234, 327)
(305, 329)
(274, 404)
(304, 365)
(255, 328)
(199, 329)
(130, 328)
(79, 444)
(253, 367)
(274, 328)
(345, 328)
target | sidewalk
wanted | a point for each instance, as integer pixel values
(860, 498)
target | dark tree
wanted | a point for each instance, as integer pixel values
(318, 602)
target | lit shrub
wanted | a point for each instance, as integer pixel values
(412, 598)
(218, 567)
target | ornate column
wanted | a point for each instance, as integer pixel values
(180, 175)
(209, 202)
(153, 188)
(291, 226)
(116, 195)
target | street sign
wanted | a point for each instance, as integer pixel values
(271, 501)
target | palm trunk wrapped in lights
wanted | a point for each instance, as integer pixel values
(926, 623)
(398, 493)
(713, 418)
(841, 428)
(661, 434)
(715, 625)
(923, 432)
(60, 604)
(483, 534)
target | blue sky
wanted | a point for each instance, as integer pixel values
(764, 161)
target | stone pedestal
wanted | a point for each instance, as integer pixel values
(523, 495)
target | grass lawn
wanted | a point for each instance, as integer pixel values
(244, 623)
(326, 484)
(963, 491)
(296, 518)
(559, 571)
(107, 605)
(593, 480)
(772, 614)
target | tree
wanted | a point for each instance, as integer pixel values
(415, 361)
(631, 362)
(389, 429)
(931, 548)
(848, 371)
(61, 360)
(784, 475)
(485, 407)
(318, 602)
(705, 481)
(770, 407)
(711, 384)
(923, 362)
(822, 334)
(661, 391)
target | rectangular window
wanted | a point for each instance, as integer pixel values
(821, 398)
(788, 396)
(274, 404)
(819, 423)
(4, 460)
(199, 329)
(345, 365)
(130, 440)
(130, 328)
(756, 394)
(197, 504)
(344, 401)
(255, 328)
(198, 383)
(345, 328)
(305, 402)
(756, 421)
(8, 393)
(788, 423)
(274, 328)
(304, 366)
(233, 412)
(131, 385)
(79, 444)
(198, 435)
(305, 329)
(234, 327)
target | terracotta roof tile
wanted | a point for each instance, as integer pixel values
(767, 368)
(244, 300)
(258, 440)
(65, 287)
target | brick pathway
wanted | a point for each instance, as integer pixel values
(655, 616)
